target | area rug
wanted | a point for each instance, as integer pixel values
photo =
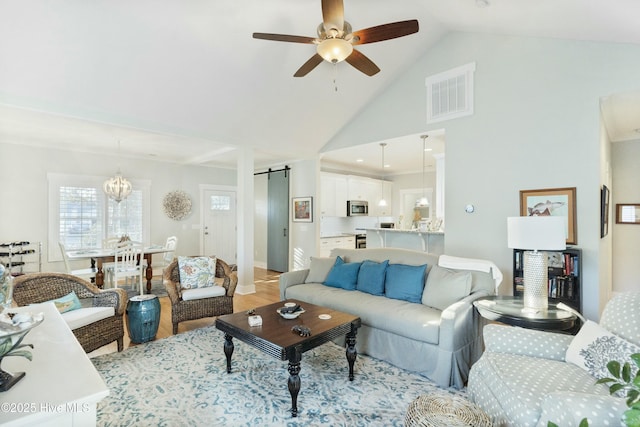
(182, 381)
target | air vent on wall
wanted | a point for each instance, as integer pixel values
(450, 94)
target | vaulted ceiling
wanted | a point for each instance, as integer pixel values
(185, 81)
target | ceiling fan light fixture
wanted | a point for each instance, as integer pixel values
(334, 50)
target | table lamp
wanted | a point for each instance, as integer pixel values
(536, 234)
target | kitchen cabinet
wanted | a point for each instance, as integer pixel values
(336, 189)
(333, 194)
(329, 243)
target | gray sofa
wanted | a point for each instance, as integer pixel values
(528, 378)
(439, 343)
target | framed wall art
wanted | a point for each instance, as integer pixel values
(628, 213)
(604, 211)
(302, 209)
(552, 202)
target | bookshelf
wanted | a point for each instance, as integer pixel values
(565, 274)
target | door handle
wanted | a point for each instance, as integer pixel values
(284, 232)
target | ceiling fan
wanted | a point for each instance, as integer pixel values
(335, 39)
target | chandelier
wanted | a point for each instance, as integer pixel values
(117, 188)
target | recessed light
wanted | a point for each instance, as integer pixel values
(387, 166)
(428, 149)
(359, 160)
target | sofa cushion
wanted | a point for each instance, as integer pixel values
(343, 275)
(405, 282)
(371, 277)
(67, 303)
(444, 287)
(196, 272)
(200, 293)
(593, 347)
(84, 316)
(319, 269)
(414, 321)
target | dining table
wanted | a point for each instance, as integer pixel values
(98, 256)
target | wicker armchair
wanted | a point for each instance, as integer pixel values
(182, 310)
(41, 287)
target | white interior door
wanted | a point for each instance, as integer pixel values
(219, 224)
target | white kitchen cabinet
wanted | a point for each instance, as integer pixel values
(333, 194)
(329, 243)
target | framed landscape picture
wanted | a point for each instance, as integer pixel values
(302, 209)
(552, 202)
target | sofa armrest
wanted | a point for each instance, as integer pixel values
(526, 342)
(291, 278)
(459, 323)
(599, 410)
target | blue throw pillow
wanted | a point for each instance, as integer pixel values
(405, 282)
(371, 277)
(343, 275)
(67, 303)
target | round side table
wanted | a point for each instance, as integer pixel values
(444, 409)
(143, 317)
(509, 310)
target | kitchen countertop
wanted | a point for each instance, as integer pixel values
(398, 230)
(329, 235)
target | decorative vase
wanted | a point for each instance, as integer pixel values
(13, 329)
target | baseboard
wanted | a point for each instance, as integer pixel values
(260, 264)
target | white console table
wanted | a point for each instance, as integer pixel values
(61, 386)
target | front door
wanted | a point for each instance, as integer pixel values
(219, 225)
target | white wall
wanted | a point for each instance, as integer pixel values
(24, 210)
(304, 236)
(626, 237)
(536, 125)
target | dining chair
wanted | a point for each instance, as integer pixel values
(85, 273)
(129, 263)
(170, 246)
(107, 267)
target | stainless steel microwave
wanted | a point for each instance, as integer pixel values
(357, 208)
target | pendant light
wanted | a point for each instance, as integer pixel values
(117, 188)
(382, 201)
(423, 202)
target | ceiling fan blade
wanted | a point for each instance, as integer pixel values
(385, 32)
(284, 38)
(362, 63)
(312, 63)
(333, 14)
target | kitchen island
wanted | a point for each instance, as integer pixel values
(426, 241)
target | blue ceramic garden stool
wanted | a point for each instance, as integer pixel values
(143, 318)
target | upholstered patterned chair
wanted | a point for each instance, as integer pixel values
(100, 319)
(190, 304)
(524, 378)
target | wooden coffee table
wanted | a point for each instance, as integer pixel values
(276, 338)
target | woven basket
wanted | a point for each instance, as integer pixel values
(443, 409)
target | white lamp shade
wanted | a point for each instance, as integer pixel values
(543, 233)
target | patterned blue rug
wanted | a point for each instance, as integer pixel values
(182, 381)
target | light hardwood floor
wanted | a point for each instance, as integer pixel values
(267, 292)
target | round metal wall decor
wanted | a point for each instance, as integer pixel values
(177, 205)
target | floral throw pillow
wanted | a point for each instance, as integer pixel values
(197, 272)
(593, 347)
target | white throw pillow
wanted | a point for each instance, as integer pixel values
(319, 269)
(593, 347)
(197, 272)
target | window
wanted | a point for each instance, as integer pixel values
(81, 215)
(450, 94)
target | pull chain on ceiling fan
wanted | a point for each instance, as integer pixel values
(336, 40)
